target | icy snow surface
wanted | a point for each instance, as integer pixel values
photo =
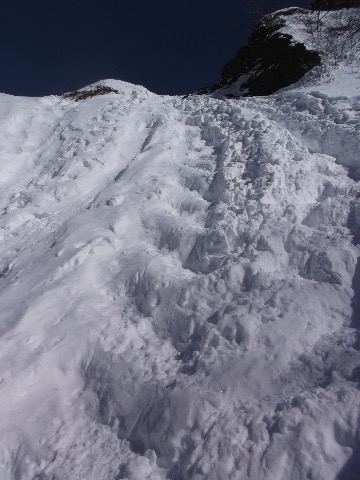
(179, 286)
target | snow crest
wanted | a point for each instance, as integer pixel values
(179, 287)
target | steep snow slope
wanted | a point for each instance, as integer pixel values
(179, 286)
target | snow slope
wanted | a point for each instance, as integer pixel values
(180, 284)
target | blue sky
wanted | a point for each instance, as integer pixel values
(169, 47)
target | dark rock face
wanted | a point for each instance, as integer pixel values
(78, 95)
(334, 4)
(271, 60)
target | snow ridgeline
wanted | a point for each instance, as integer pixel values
(179, 286)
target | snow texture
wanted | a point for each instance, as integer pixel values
(180, 285)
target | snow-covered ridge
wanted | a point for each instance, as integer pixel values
(179, 285)
(334, 34)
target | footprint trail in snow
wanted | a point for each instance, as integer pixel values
(179, 286)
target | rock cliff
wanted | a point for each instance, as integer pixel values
(270, 61)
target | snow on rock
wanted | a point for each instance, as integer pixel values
(294, 45)
(179, 285)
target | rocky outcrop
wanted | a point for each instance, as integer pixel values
(271, 60)
(85, 93)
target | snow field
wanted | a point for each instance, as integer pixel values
(177, 287)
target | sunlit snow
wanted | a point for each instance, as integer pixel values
(180, 284)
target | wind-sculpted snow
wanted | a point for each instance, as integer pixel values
(179, 287)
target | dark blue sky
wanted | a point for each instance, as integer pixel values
(49, 46)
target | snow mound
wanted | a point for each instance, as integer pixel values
(179, 286)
